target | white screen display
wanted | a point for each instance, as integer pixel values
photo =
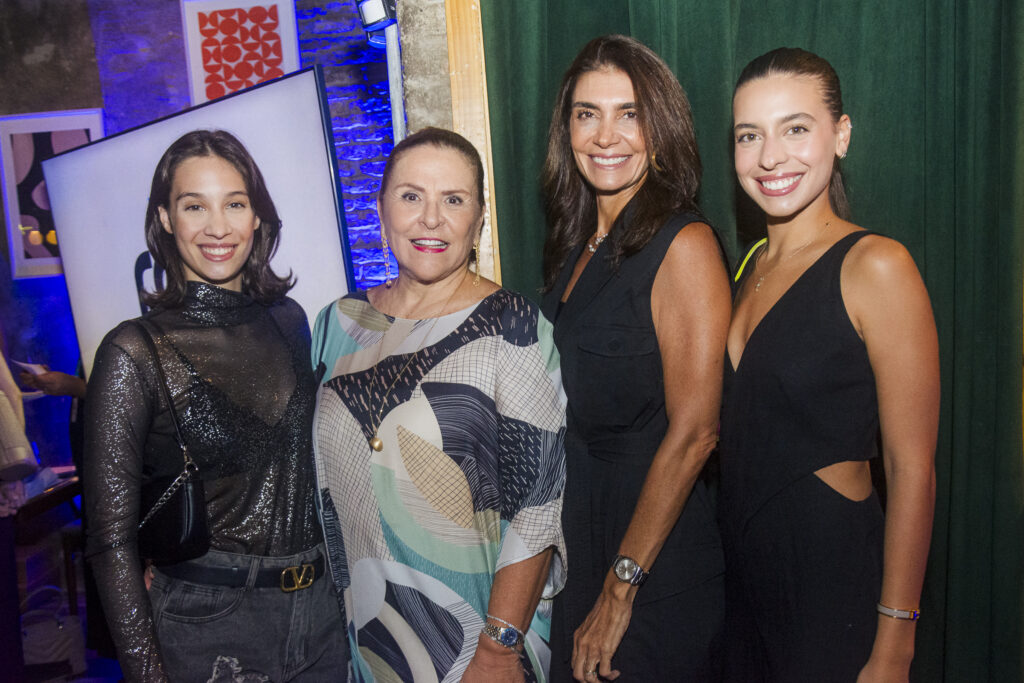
(99, 194)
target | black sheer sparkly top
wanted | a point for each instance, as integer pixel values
(240, 376)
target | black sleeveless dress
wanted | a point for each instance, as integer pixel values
(612, 373)
(804, 563)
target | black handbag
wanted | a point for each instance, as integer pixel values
(175, 527)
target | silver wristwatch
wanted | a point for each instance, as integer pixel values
(628, 571)
(509, 636)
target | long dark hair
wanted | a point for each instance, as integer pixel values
(667, 126)
(258, 279)
(793, 61)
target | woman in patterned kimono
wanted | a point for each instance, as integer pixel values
(438, 438)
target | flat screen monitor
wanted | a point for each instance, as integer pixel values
(99, 193)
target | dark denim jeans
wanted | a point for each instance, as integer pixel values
(214, 633)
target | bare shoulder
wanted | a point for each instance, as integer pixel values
(695, 237)
(692, 278)
(694, 248)
(882, 287)
(876, 260)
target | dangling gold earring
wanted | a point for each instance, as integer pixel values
(387, 261)
(476, 257)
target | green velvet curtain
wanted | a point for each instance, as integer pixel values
(934, 88)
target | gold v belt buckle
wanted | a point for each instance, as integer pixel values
(296, 578)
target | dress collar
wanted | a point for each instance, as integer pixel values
(211, 306)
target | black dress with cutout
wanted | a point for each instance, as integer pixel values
(804, 563)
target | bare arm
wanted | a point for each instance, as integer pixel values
(690, 302)
(55, 383)
(889, 306)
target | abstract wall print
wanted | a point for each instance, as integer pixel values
(25, 142)
(234, 44)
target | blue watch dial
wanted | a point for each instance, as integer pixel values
(509, 637)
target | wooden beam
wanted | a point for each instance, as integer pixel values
(470, 116)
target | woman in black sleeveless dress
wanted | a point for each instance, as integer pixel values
(638, 292)
(832, 338)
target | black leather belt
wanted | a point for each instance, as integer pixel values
(288, 579)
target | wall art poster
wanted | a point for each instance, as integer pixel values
(234, 44)
(25, 142)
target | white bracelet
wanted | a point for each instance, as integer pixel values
(502, 621)
(908, 614)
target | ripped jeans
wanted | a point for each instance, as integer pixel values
(251, 633)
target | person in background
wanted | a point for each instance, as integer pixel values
(637, 287)
(832, 341)
(54, 383)
(235, 352)
(439, 442)
(17, 457)
(13, 466)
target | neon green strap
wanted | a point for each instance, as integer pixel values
(757, 245)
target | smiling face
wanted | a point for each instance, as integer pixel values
(430, 213)
(211, 219)
(786, 142)
(605, 134)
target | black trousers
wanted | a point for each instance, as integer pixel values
(802, 584)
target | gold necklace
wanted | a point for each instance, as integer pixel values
(376, 443)
(760, 280)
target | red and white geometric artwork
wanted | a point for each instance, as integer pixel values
(233, 45)
(240, 48)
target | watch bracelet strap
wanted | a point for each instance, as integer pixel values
(493, 632)
(907, 614)
(639, 577)
(506, 623)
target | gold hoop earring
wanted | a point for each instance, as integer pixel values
(387, 261)
(476, 257)
(654, 162)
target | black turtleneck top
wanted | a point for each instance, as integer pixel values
(240, 376)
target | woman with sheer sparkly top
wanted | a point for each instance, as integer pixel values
(235, 353)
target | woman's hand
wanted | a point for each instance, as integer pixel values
(493, 663)
(55, 383)
(597, 639)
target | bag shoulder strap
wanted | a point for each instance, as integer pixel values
(321, 367)
(162, 379)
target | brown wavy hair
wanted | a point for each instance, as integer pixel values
(258, 279)
(793, 61)
(667, 126)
